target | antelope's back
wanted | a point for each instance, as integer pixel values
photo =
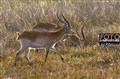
(44, 27)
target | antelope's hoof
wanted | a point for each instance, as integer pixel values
(30, 64)
(62, 60)
(14, 64)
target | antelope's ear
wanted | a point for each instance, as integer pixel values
(18, 33)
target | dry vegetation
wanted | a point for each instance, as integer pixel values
(93, 62)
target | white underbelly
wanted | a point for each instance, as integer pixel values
(32, 48)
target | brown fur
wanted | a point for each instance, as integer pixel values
(48, 26)
(74, 38)
(32, 35)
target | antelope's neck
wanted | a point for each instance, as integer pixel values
(60, 34)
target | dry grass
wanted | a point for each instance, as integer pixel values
(93, 62)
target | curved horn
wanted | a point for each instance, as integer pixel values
(59, 18)
(83, 36)
(66, 20)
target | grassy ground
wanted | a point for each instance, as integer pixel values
(92, 62)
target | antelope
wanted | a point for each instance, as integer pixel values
(48, 27)
(76, 38)
(44, 40)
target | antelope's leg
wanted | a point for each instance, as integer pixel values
(56, 50)
(26, 57)
(46, 52)
(18, 54)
